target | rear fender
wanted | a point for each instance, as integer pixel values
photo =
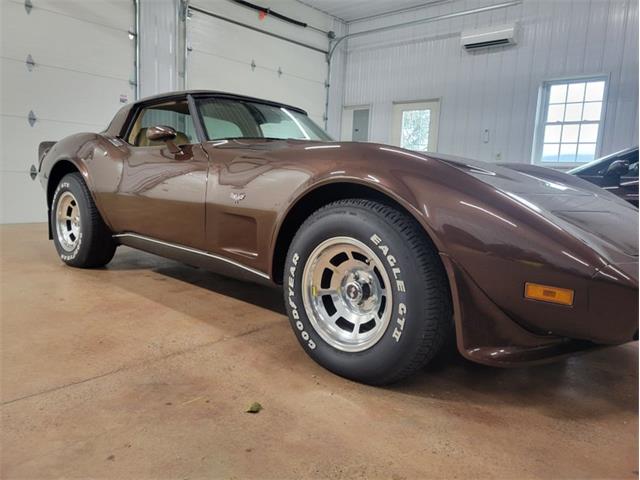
(75, 152)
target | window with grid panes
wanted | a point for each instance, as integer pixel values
(570, 121)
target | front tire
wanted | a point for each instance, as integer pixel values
(80, 235)
(366, 292)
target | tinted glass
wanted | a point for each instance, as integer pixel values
(228, 119)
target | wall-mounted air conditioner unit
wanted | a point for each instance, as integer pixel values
(489, 37)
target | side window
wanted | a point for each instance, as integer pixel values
(171, 114)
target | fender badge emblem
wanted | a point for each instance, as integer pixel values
(238, 197)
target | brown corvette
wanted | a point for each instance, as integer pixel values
(382, 252)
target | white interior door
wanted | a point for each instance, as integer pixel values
(228, 57)
(83, 61)
(415, 125)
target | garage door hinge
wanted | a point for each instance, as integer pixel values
(30, 63)
(28, 6)
(327, 84)
(279, 71)
(33, 173)
(32, 118)
(132, 83)
(253, 65)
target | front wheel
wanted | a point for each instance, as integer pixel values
(80, 235)
(366, 292)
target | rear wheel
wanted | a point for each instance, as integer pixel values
(80, 235)
(366, 292)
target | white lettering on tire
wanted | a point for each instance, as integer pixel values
(74, 254)
(397, 332)
(294, 308)
(391, 260)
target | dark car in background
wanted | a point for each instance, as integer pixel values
(617, 173)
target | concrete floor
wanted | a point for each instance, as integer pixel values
(144, 370)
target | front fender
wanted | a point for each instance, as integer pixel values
(491, 243)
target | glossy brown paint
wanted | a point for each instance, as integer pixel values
(223, 205)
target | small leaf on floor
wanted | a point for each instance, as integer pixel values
(255, 407)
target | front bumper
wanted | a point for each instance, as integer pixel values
(487, 334)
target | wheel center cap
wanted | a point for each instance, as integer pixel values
(354, 292)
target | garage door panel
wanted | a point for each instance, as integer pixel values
(212, 36)
(240, 79)
(221, 58)
(61, 95)
(19, 146)
(294, 9)
(116, 14)
(21, 199)
(24, 34)
(84, 62)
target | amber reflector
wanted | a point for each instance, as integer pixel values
(546, 293)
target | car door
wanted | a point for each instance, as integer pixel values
(162, 190)
(254, 168)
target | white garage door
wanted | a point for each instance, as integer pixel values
(233, 58)
(84, 61)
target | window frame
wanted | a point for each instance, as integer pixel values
(137, 110)
(543, 111)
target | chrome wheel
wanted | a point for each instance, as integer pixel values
(347, 294)
(68, 221)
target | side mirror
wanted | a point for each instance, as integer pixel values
(162, 133)
(617, 169)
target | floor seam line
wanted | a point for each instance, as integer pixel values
(130, 367)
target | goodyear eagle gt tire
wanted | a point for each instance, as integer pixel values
(80, 235)
(366, 292)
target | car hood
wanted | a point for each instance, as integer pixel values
(590, 213)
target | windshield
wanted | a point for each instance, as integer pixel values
(226, 119)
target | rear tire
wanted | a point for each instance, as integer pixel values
(80, 235)
(343, 261)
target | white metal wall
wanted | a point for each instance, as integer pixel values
(84, 61)
(497, 90)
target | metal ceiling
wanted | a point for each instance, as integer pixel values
(354, 10)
